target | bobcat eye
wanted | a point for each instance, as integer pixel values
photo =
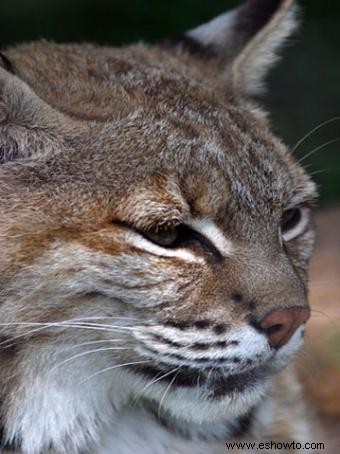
(165, 238)
(293, 223)
(181, 236)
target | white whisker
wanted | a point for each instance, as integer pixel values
(331, 120)
(329, 169)
(8, 342)
(101, 325)
(68, 324)
(84, 344)
(155, 380)
(165, 393)
(111, 368)
(317, 149)
(44, 326)
(198, 384)
(95, 317)
(79, 355)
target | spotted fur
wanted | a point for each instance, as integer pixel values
(111, 342)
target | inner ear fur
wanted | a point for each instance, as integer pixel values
(243, 42)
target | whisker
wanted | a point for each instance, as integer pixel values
(95, 317)
(84, 344)
(198, 383)
(306, 356)
(44, 326)
(111, 368)
(305, 137)
(79, 355)
(329, 169)
(69, 347)
(317, 311)
(8, 342)
(165, 393)
(330, 319)
(304, 362)
(102, 325)
(160, 378)
(335, 327)
(317, 149)
(209, 373)
(154, 380)
(68, 323)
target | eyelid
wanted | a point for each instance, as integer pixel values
(150, 226)
(140, 242)
(300, 228)
(190, 236)
(308, 205)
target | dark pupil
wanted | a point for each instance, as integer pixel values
(290, 219)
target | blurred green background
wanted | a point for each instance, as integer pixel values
(304, 88)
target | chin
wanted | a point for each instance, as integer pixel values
(200, 409)
(199, 397)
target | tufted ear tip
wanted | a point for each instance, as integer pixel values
(244, 41)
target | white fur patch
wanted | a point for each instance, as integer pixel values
(210, 230)
(216, 31)
(139, 242)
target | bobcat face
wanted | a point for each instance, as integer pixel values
(154, 234)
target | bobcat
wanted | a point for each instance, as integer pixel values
(155, 238)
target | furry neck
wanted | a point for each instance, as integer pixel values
(57, 413)
(142, 428)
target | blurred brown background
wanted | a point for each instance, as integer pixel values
(319, 365)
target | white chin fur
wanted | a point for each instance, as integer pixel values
(186, 405)
(191, 404)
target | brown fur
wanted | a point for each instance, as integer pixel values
(98, 141)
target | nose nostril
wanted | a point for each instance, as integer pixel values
(281, 324)
(274, 329)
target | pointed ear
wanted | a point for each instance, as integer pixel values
(29, 127)
(244, 41)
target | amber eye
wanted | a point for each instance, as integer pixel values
(293, 223)
(164, 238)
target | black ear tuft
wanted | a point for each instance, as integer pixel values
(6, 64)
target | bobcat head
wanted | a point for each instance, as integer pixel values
(154, 233)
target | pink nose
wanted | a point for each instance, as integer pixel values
(281, 324)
